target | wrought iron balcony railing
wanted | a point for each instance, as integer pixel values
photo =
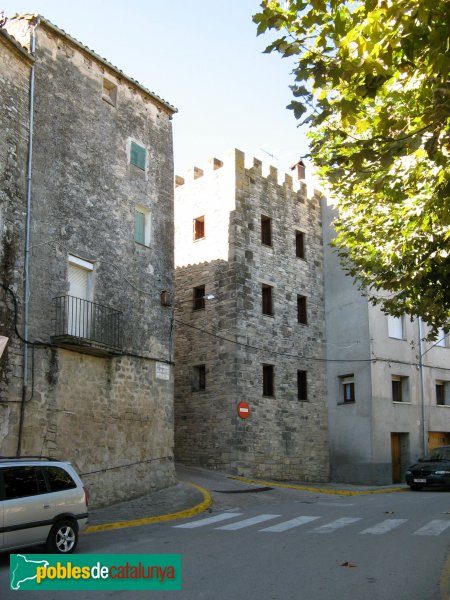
(78, 319)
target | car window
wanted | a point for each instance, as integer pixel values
(59, 479)
(20, 482)
(440, 454)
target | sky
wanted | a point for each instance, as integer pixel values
(204, 58)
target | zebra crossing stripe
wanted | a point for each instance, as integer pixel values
(247, 522)
(433, 528)
(208, 520)
(290, 524)
(384, 526)
(338, 524)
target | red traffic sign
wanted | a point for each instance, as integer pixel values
(243, 410)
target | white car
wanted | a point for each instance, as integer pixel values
(42, 501)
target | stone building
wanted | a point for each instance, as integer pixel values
(388, 390)
(249, 322)
(86, 248)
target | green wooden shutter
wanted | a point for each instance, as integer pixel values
(139, 227)
(137, 156)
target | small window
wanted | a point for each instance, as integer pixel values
(347, 389)
(109, 92)
(267, 300)
(142, 225)
(302, 386)
(59, 479)
(400, 391)
(441, 338)
(299, 244)
(396, 327)
(302, 316)
(199, 297)
(266, 231)
(443, 393)
(268, 380)
(199, 228)
(199, 378)
(137, 156)
(20, 482)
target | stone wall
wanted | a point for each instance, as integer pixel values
(284, 438)
(15, 69)
(112, 416)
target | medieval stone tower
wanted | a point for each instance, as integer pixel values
(249, 322)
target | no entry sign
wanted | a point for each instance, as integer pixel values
(243, 410)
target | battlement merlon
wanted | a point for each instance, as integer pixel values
(254, 167)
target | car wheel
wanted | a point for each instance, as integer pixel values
(415, 488)
(63, 537)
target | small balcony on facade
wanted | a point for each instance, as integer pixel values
(87, 327)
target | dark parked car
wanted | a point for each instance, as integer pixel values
(433, 470)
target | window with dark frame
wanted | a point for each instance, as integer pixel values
(302, 315)
(302, 386)
(199, 228)
(397, 395)
(199, 297)
(268, 380)
(299, 244)
(347, 393)
(267, 300)
(199, 378)
(266, 231)
(440, 393)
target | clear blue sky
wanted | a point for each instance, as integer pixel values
(203, 57)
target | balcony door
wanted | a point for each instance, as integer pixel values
(80, 296)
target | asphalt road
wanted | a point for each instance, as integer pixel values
(284, 544)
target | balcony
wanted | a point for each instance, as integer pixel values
(87, 327)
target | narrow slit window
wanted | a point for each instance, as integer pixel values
(299, 244)
(302, 386)
(302, 314)
(268, 380)
(266, 231)
(199, 297)
(267, 300)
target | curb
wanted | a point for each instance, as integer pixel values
(319, 490)
(183, 514)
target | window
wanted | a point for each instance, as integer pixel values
(59, 479)
(267, 301)
(266, 231)
(302, 386)
(302, 316)
(396, 327)
(109, 92)
(137, 156)
(198, 378)
(299, 244)
(142, 225)
(199, 297)
(400, 391)
(21, 482)
(268, 380)
(441, 338)
(443, 393)
(199, 228)
(347, 389)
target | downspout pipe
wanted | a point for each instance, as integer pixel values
(422, 393)
(26, 278)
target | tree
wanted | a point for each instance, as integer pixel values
(372, 82)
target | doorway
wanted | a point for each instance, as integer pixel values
(399, 455)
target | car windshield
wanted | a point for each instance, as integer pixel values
(440, 454)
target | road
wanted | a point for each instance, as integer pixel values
(284, 544)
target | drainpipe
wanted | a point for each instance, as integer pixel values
(422, 394)
(26, 282)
